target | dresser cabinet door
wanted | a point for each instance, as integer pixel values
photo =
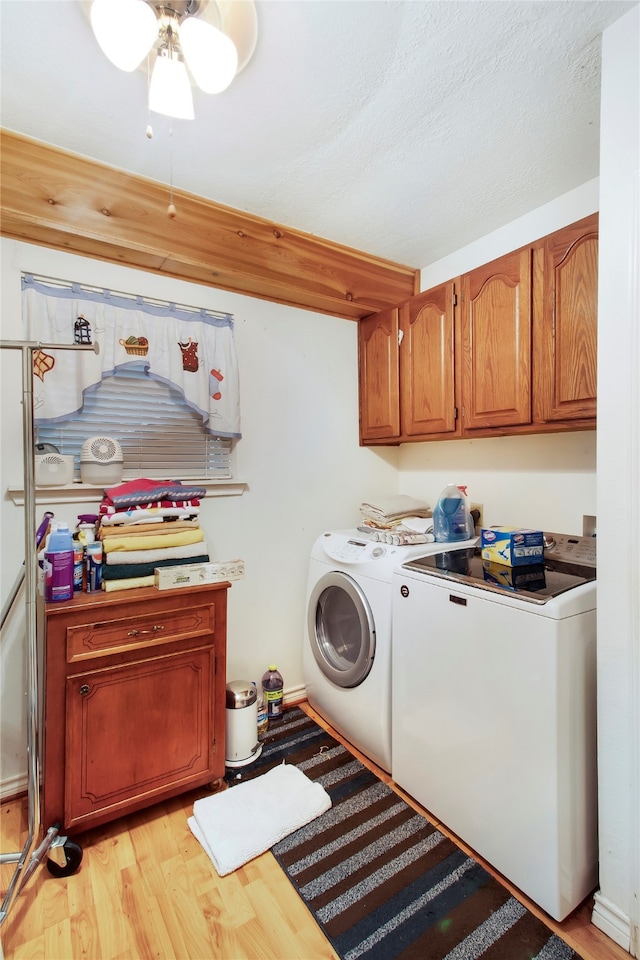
(565, 372)
(428, 364)
(378, 364)
(496, 343)
(136, 729)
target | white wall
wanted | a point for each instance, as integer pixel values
(617, 909)
(299, 454)
(565, 209)
(546, 481)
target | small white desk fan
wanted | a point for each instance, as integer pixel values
(101, 460)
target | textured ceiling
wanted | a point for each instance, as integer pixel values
(406, 129)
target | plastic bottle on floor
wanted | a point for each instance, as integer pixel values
(273, 687)
(263, 720)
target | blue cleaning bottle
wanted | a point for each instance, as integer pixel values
(58, 564)
(452, 520)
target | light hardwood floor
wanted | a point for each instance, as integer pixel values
(147, 890)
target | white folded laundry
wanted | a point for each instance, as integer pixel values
(416, 525)
(241, 823)
(390, 508)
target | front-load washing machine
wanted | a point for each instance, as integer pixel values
(348, 635)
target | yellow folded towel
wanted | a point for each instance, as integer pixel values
(155, 542)
(144, 529)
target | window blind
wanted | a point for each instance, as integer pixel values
(160, 435)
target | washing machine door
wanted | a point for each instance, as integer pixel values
(341, 629)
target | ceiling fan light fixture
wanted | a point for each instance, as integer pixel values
(125, 30)
(170, 89)
(211, 56)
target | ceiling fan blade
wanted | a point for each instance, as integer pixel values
(125, 30)
(211, 56)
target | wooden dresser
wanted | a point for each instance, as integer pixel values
(133, 700)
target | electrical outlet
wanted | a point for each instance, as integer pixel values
(480, 522)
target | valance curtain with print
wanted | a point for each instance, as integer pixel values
(192, 349)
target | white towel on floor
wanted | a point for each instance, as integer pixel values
(239, 824)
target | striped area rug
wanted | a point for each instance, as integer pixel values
(381, 881)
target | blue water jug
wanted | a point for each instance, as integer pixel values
(452, 520)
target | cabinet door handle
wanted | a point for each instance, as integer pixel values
(84, 689)
(142, 633)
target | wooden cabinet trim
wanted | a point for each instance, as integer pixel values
(71, 203)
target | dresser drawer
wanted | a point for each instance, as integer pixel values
(102, 637)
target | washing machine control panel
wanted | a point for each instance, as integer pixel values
(562, 546)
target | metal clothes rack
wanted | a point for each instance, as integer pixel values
(28, 859)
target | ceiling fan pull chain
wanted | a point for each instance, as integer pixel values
(171, 209)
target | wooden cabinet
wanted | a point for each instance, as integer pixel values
(134, 700)
(407, 369)
(508, 348)
(379, 376)
(496, 343)
(429, 402)
(566, 306)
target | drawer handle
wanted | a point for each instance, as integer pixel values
(85, 689)
(142, 633)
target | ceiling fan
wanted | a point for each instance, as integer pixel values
(214, 39)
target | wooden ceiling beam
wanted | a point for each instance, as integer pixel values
(68, 202)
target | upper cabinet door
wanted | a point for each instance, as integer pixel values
(496, 343)
(427, 364)
(565, 368)
(378, 366)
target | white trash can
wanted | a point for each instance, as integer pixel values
(242, 746)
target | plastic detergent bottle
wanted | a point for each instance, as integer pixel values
(263, 719)
(93, 561)
(273, 686)
(451, 517)
(58, 564)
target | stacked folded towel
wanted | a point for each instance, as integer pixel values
(399, 520)
(146, 524)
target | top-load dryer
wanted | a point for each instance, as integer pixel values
(348, 635)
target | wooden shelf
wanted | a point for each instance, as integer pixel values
(89, 493)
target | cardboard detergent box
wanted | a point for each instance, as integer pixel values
(529, 577)
(188, 574)
(512, 546)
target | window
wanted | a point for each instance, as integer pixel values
(160, 435)
(162, 379)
